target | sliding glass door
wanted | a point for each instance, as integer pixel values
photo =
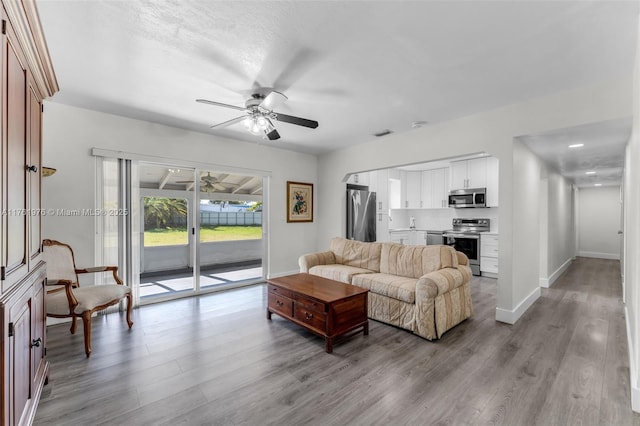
(202, 230)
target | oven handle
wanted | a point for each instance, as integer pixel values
(470, 237)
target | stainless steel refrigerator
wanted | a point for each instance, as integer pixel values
(361, 213)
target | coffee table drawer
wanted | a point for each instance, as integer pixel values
(309, 304)
(281, 291)
(317, 320)
(280, 304)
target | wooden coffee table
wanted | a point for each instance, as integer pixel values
(325, 307)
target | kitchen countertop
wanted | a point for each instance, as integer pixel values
(413, 229)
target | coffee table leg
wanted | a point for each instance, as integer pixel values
(268, 314)
(366, 328)
(328, 344)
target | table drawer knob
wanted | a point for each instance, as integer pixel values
(279, 303)
(308, 316)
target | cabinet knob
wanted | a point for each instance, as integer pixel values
(36, 342)
(32, 169)
(308, 315)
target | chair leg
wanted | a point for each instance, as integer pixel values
(86, 323)
(129, 303)
(74, 325)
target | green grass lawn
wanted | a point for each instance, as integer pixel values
(176, 236)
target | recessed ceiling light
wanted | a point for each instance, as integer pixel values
(590, 173)
(418, 124)
(576, 145)
(597, 184)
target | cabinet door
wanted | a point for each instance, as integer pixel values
(458, 174)
(413, 190)
(382, 193)
(492, 181)
(38, 333)
(395, 193)
(477, 173)
(18, 376)
(440, 187)
(34, 176)
(427, 189)
(15, 104)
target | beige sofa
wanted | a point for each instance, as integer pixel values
(424, 289)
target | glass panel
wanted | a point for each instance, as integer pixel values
(165, 221)
(230, 228)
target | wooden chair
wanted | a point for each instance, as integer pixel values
(73, 301)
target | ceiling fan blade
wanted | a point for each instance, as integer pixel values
(205, 101)
(295, 120)
(229, 122)
(272, 135)
(273, 100)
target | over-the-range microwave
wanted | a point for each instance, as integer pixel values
(468, 198)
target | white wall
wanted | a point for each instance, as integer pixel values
(492, 132)
(557, 228)
(69, 133)
(599, 222)
(631, 245)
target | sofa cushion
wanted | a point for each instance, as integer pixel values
(393, 286)
(415, 261)
(356, 253)
(342, 273)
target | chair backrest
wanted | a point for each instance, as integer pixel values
(61, 264)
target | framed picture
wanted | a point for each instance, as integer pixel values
(299, 202)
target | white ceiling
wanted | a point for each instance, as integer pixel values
(356, 67)
(602, 151)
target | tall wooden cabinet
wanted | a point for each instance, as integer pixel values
(27, 78)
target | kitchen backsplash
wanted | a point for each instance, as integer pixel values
(439, 219)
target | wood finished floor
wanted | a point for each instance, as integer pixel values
(217, 360)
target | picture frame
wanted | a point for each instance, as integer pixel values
(299, 202)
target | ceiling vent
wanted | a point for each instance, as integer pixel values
(384, 132)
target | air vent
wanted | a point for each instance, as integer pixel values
(384, 132)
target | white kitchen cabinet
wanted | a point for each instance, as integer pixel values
(489, 255)
(399, 237)
(413, 196)
(395, 193)
(492, 181)
(359, 179)
(435, 188)
(469, 173)
(411, 237)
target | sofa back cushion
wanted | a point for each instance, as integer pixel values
(415, 261)
(356, 253)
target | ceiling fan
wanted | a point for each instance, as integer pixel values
(260, 115)
(209, 183)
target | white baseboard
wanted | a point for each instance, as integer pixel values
(548, 282)
(510, 317)
(613, 256)
(633, 368)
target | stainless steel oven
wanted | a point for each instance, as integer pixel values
(465, 238)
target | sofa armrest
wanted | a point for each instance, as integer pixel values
(433, 284)
(308, 261)
(462, 258)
